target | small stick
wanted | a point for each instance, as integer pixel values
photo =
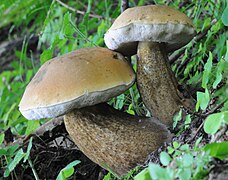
(201, 125)
(78, 11)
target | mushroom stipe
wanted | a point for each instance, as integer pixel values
(151, 32)
(113, 139)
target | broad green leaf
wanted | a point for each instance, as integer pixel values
(67, 25)
(187, 160)
(217, 80)
(184, 174)
(12, 149)
(18, 157)
(225, 16)
(107, 177)
(170, 150)
(67, 171)
(203, 99)
(176, 145)
(46, 55)
(3, 152)
(143, 175)
(225, 117)
(32, 126)
(157, 172)
(218, 150)
(185, 147)
(213, 123)
(165, 158)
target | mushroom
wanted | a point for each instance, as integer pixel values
(113, 139)
(151, 32)
(80, 78)
(67, 84)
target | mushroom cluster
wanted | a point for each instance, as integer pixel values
(78, 83)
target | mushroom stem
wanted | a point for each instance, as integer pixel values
(156, 82)
(115, 140)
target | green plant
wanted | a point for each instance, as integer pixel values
(67, 171)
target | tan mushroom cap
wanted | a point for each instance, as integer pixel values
(80, 78)
(157, 23)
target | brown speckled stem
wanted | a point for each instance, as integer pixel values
(156, 82)
(113, 139)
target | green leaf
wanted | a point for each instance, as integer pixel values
(20, 154)
(225, 117)
(2, 136)
(67, 171)
(207, 71)
(225, 16)
(185, 147)
(219, 70)
(28, 150)
(3, 152)
(187, 160)
(177, 117)
(184, 174)
(143, 175)
(108, 176)
(203, 99)
(170, 150)
(213, 123)
(68, 29)
(130, 110)
(188, 120)
(157, 172)
(197, 143)
(218, 150)
(165, 158)
(46, 55)
(176, 145)
(32, 126)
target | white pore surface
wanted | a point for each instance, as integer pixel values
(125, 39)
(87, 99)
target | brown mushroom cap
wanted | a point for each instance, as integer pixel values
(157, 23)
(80, 78)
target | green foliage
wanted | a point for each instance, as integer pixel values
(181, 162)
(14, 156)
(218, 150)
(67, 171)
(214, 122)
(225, 15)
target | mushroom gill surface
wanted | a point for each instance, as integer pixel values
(113, 139)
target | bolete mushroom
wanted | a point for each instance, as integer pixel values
(85, 77)
(113, 139)
(151, 32)
(77, 79)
